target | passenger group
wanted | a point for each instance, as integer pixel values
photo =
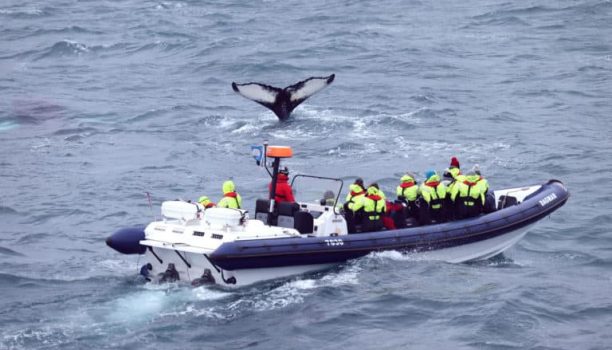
(366, 209)
(458, 196)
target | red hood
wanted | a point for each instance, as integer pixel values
(374, 197)
(231, 194)
(432, 183)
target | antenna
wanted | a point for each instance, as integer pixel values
(150, 204)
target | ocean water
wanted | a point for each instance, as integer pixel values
(103, 101)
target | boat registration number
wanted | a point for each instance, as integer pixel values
(334, 242)
(551, 197)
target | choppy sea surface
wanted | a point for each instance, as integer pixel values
(103, 101)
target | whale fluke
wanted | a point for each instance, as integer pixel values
(283, 101)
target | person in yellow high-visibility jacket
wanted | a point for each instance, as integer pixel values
(468, 196)
(374, 206)
(408, 193)
(231, 198)
(352, 213)
(489, 205)
(433, 194)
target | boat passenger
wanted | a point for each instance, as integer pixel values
(452, 175)
(481, 180)
(387, 220)
(408, 192)
(433, 194)
(489, 205)
(283, 191)
(396, 212)
(468, 196)
(356, 190)
(329, 199)
(206, 202)
(231, 199)
(453, 170)
(354, 216)
(380, 192)
(374, 207)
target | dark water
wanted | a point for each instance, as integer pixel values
(102, 101)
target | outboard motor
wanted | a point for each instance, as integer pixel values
(127, 240)
(170, 275)
(207, 278)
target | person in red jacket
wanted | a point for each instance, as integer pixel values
(283, 189)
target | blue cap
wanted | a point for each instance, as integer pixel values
(429, 173)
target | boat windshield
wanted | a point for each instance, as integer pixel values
(317, 189)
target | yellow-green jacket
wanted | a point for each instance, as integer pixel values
(355, 196)
(373, 204)
(483, 183)
(468, 190)
(407, 189)
(433, 191)
(231, 199)
(457, 177)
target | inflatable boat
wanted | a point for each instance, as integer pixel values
(226, 247)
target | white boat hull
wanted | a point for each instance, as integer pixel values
(198, 263)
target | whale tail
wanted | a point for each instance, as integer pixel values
(283, 101)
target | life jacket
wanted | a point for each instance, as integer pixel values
(484, 183)
(354, 197)
(407, 189)
(206, 202)
(373, 205)
(469, 191)
(456, 180)
(454, 172)
(230, 200)
(433, 192)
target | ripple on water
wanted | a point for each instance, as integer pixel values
(9, 252)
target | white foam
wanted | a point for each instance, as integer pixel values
(165, 5)
(76, 47)
(25, 10)
(348, 276)
(289, 293)
(249, 128)
(410, 116)
(139, 306)
(206, 312)
(107, 266)
(397, 256)
(204, 293)
(47, 335)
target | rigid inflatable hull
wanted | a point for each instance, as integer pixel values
(455, 241)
